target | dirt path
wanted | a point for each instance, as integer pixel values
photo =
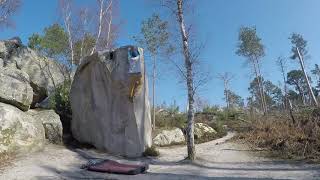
(217, 160)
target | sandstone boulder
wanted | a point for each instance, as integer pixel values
(169, 137)
(15, 88)
(51, 124)
(200, 129)
(108, 110)
(19, 132)
(44, 73)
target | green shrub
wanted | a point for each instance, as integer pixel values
(218, 126)
(151, 151)
(60, 102)
(169, 121)
(60, 99)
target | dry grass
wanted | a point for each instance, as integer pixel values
(294, 141)
(5, 160)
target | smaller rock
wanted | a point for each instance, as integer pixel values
(201, 129)
(15, 88)
(168, 137)
(19, 132)
(51, 123)
(45, 104)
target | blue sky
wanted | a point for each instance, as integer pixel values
(217, 23)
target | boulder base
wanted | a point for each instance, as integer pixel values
(51, 124)
(19, 132)
(103, 114)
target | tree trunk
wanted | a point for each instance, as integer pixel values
(262, 89)
(226, 94)
(109, 28)
(313, 97)
(153, 93)
(291, 112)
(285, 100)
(101, 14)
(188, 65)
(259, 86)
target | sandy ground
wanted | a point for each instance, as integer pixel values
(216, 160)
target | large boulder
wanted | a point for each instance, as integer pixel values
(103, 114)
(201, 129)
(15, 88)
(169, 137)
(51, 124)
(44, 73)
(19, 132)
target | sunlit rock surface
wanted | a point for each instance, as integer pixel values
(103, 114)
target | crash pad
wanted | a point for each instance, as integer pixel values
(110, 166)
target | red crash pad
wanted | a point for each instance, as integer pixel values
(110, 166)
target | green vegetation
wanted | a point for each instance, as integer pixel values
(169, 117)
(151, 151)
(278, 135)
(60, 102)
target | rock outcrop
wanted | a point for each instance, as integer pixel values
(15, 88)
(26, 78)
(44, 73)
(169, 137)
(19, 132)
(201, 129)
(109, 100)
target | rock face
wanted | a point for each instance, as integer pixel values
(103, 114)
(51, 124)
(200, 129)
(43, 72)
(19, 132)
(15, 88)
(169, 137)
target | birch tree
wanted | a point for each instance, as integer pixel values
(104, 23)
(299, 51)
(190, 82)
(250, 47)
(65, 6)
(192, 75)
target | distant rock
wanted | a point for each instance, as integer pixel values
(169, 137)
(51, 124)
(19, 131)
(200, 129)
(15, 88)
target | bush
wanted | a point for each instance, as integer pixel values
(60, 99)
(168, 121)
(151, 151)
(60, 102)
(278, 134)
(218, 126)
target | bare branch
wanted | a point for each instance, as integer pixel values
(7, 9)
